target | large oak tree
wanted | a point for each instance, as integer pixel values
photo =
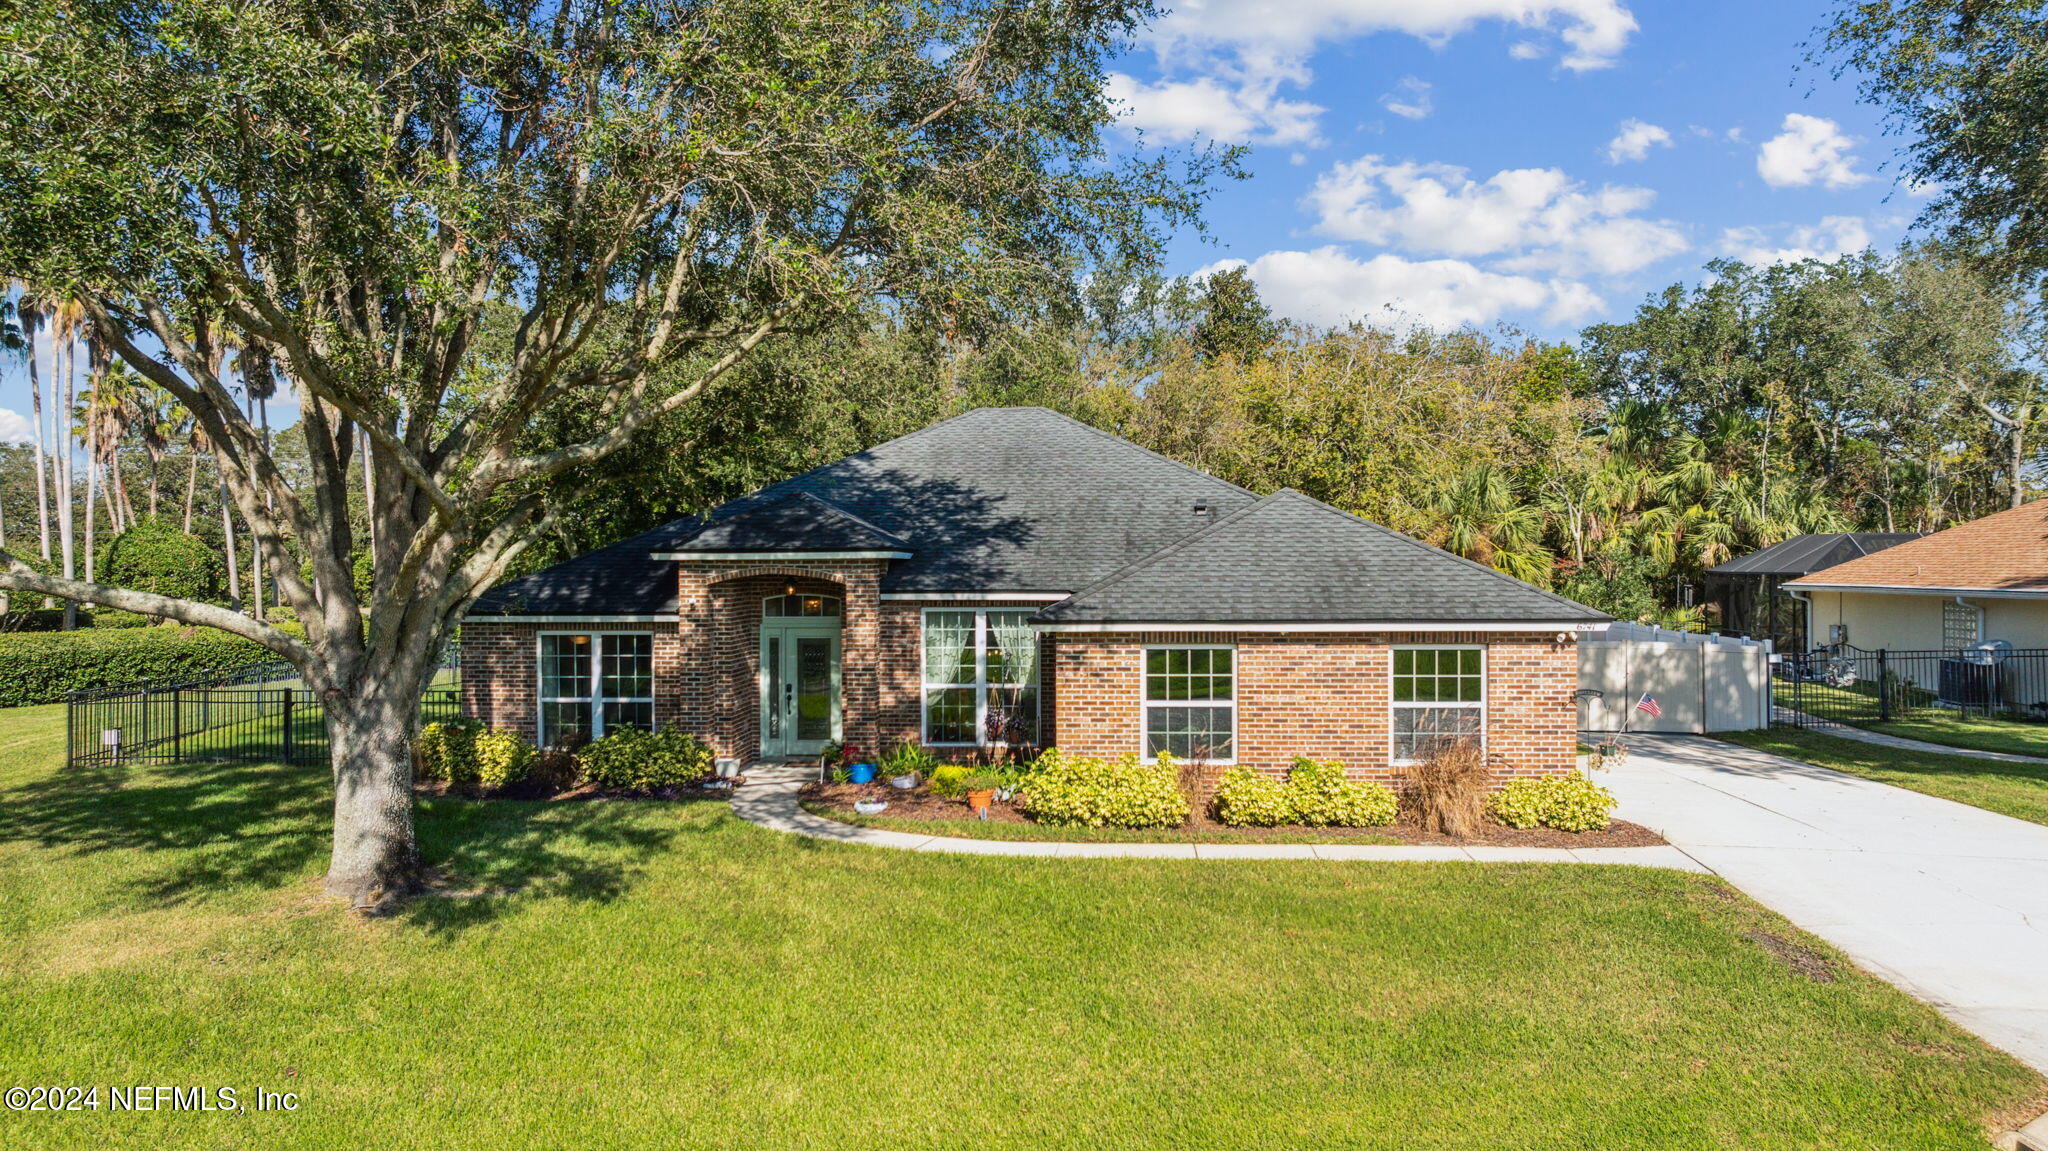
(441, 224)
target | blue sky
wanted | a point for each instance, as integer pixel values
(1543, 163)
(1538, 163)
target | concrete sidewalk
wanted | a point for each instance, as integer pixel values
(1861, 735)
(769, 799)
(1949, 902)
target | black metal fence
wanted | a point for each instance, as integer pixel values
(258, 713)
(1845, 684)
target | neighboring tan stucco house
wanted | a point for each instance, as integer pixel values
(1012, 573)
(1979, 581)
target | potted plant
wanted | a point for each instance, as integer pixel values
(981, 792)
(1611, 754)
(871, 806)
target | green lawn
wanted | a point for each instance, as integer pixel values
(1975, 732)
(2016, 789)
(1858, 706)
(662, 975)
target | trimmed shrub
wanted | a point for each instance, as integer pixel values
(1519, 802)
(500, 758)
(446, 751)
(634, 760)
(43, 667)
(1077, 791)
(950, 780)
(1247, 798)
(154, 556)
(1449, 789)
(1319, 796)
(1566, 802)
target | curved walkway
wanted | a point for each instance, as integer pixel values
(1864, 735)
(770, 800)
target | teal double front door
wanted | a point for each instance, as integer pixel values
(800, 709)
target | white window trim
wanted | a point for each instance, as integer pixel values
(596, 699)
(980, 685)
(1147, 703)
(1485, 688)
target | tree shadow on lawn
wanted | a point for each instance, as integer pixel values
(198, 830)
(488, 856)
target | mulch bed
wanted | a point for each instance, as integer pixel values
(545, 792)
(922, 804)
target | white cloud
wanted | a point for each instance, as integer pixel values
(1808, 150)
(1410, 98)
(1634, 139)
(1329, 286)
(1243, 51)
(1832, 238)
(15, 428)
(1593, 31)
(1527, 218)
(1250, 112)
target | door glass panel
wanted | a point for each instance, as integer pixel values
(813, 688)
(773, 660)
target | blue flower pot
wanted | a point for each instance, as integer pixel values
(861, 773)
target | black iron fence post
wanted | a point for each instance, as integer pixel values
(1884, 690)
(288, 725)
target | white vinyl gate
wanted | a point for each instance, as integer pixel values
(1702, 683)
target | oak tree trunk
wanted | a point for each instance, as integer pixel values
(369, 741)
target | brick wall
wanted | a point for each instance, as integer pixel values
(500, 669)
(1325, 695)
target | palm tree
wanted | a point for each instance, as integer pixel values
(34, 313)
(1483, 518)
(67, 323)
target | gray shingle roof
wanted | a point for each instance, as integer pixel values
(1009, 499)
(1811, 553)
(1293, 559)
(796, 522)
(995, 499)
(615, 580)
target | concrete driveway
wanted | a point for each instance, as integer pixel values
(1947, 901)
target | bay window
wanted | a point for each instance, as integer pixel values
(1439, 699)
(592, 683)
(980, 676)
(1191, 703)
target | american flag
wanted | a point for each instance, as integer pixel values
(1649, 705)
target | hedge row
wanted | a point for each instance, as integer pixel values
(43, 667)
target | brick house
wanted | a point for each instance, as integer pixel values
(1015, 574)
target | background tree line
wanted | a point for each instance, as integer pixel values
(1871, 393)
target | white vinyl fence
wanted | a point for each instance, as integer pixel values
(1702, 683)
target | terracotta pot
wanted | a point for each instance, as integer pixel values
(979, 800)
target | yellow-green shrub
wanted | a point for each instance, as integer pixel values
(1578, 804)
(1519, 802)
(633, 760)
(1079, 791)
(1566, 802)
(1247, 798)
(501, 758)
(950, 780)
(1320, 796)
(447, 751)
